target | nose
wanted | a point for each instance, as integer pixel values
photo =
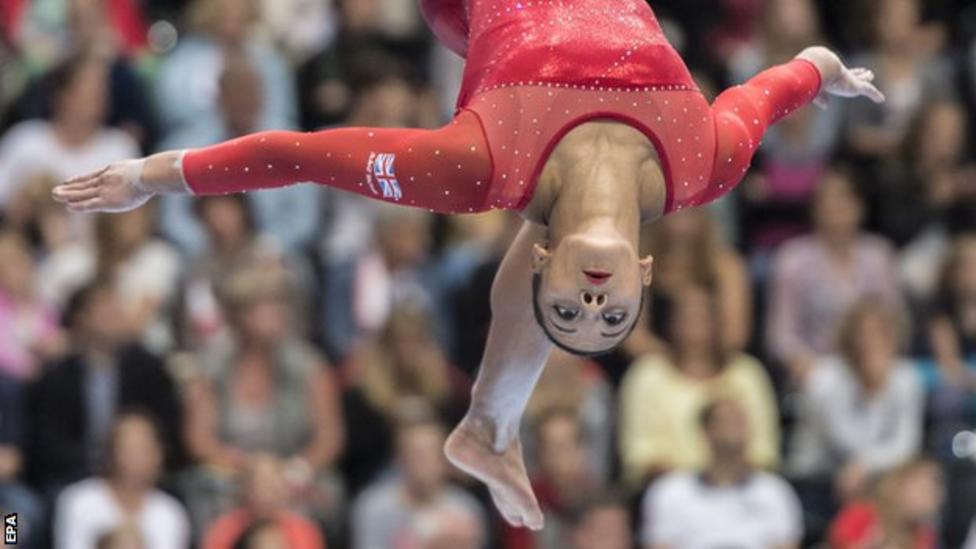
(593, 301)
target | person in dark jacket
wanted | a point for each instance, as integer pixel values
(70, 409)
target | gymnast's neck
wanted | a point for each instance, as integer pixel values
(605, 175)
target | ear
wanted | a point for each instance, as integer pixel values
(540, 256)
(647, 270)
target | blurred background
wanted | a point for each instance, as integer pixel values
(279, 369)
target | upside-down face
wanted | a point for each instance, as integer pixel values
(588, 291)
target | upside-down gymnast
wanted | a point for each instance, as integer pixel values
(576, 113)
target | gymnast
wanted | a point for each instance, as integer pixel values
(576, 113)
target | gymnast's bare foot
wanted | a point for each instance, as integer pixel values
(470, 449)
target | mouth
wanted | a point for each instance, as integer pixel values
(597, 278)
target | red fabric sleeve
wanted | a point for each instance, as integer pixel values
(744, 113)
(447, 170)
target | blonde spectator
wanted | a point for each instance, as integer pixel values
(663, 394)
(263, 390)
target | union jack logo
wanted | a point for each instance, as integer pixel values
(380, 168)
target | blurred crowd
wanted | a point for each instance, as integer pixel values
(279, 369)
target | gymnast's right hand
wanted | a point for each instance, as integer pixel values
(115, 188)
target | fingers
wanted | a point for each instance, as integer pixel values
(68, 194)
(871, 92)
(90, 177)
(821, 102)
(87, 206)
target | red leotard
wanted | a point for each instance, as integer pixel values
(535, 70)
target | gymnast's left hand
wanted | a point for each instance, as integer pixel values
(115, 188)
(838, 79)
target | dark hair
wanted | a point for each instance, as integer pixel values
(81, 300)
(601, 500)
(707, 413)
(115, 433)
(536, 284)
(60, 79)
(240, 200)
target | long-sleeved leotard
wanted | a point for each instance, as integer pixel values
(535, 70)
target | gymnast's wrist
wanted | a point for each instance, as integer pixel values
(163, 174)
(825, 61)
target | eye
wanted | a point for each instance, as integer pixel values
(614, 319)
(566, 313)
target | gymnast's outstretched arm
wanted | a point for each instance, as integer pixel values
(486, 444)
(445, 170)
(744, 113)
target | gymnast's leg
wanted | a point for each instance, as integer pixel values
(486, 443)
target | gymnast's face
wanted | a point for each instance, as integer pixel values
(588, 291)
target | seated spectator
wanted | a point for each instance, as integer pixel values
(817, 277)
(262, 390)
(860, 413)
(952, 340)
(405, 362)
(145, 271)
(927, 194)
(797, 151)
(663, 394)
(728, 503)
(601, 522)
(359, 293)
(126, 494)
(687, 248)
(15, 497)
(264, 504)
(74, 140)
(288, 216)
(187, 82)
(908, 64)
(562, 480)
(902, 514)
(233, 243)
(71, 408)
(30, 328)
(418, 507)
(577, 384)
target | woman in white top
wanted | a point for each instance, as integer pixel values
(125, 497)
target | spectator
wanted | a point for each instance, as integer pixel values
(906, 60)
(817, 277)
(264, 504)
(30, 327)
(125, 495)
(902, 514)
(928, 195)
(288, 216)
(263, 390)
(71, 408)
(971, 540)
(74, 140)
(952, 339)
(687, 248)
(233, 243)
(663, 394)
(578, 384)
(727, 504)
(404, 363)
(359, 294)
(562, 482)
(601, 522)
(417, 507)
(144, 271)
(860, 413)
(187, 82)
(797, 152)
(15, 497)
